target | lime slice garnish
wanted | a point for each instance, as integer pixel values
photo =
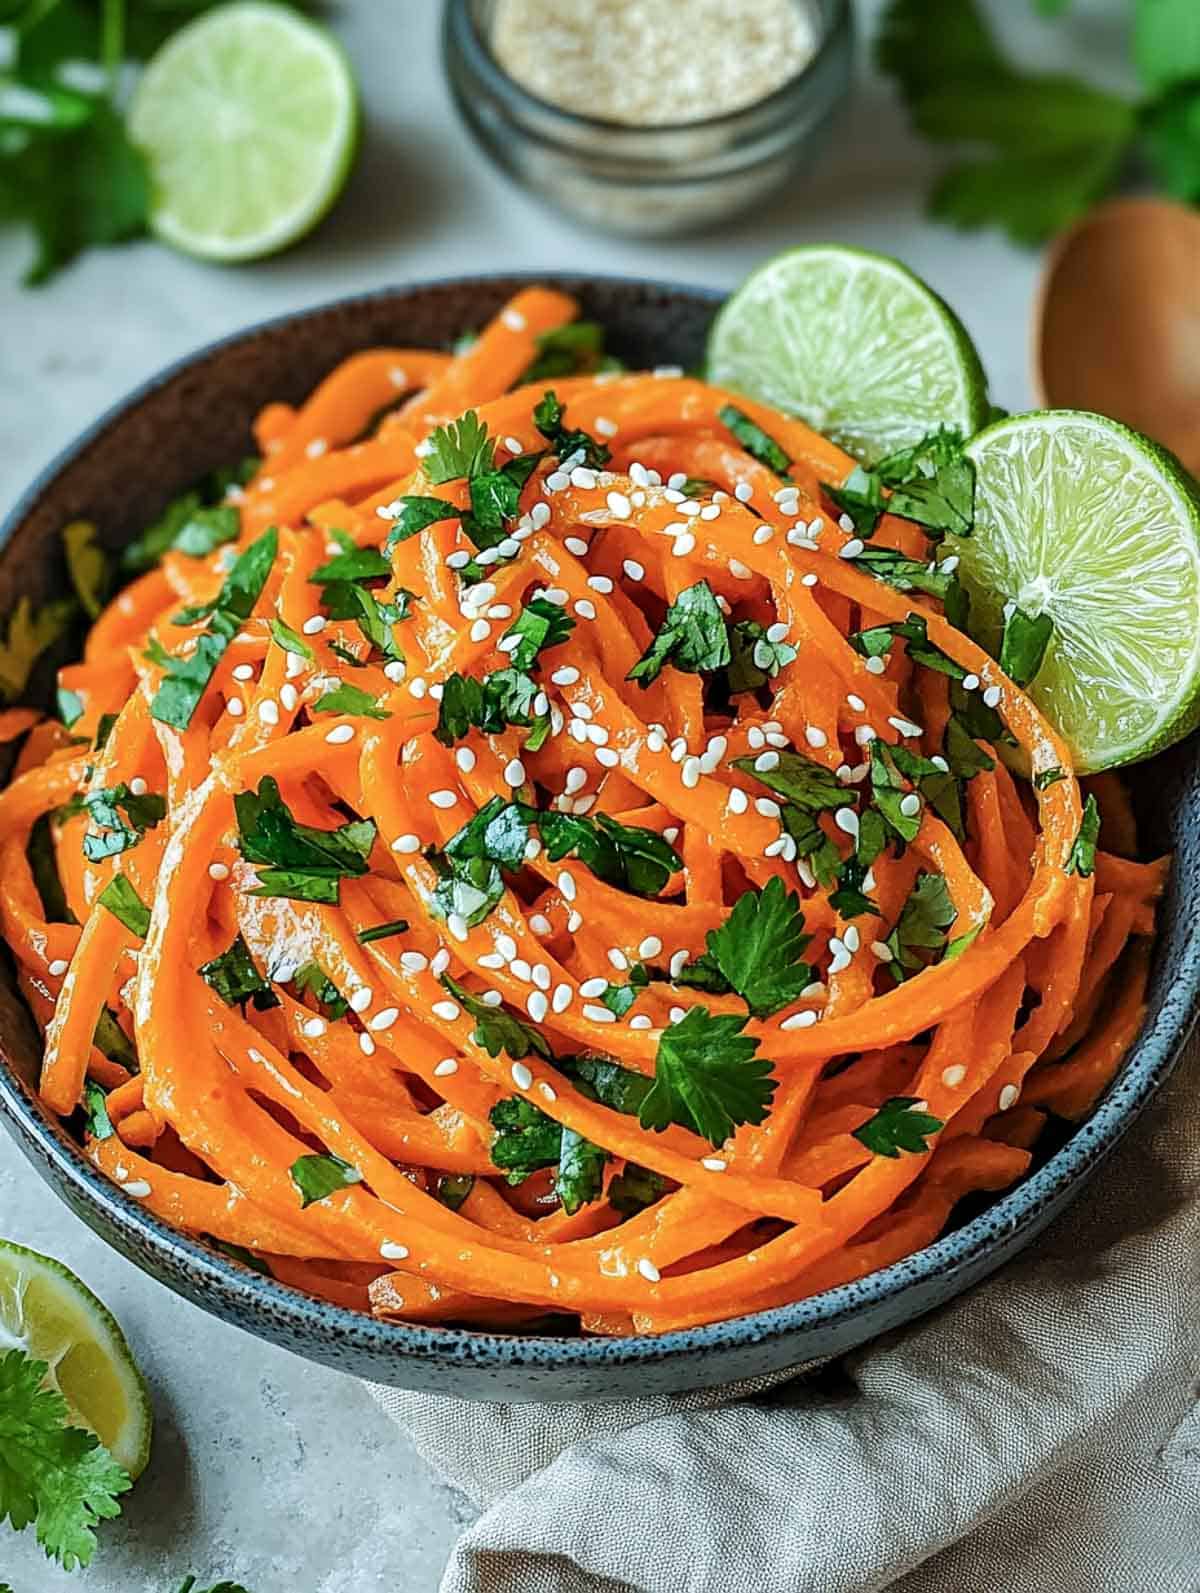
(1083, 519)
(249, 120)
(854, 344)
(49, 1314)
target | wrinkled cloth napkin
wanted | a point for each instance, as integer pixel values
(1039, 1435)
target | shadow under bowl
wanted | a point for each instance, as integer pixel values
(197, 415)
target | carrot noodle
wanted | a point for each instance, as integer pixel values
(350, 1050)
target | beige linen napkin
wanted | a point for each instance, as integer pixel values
(1040, 1435)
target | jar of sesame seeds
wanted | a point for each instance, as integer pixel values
(649, 117)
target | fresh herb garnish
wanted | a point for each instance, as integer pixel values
(693, 637)
(185, 678)
(87, 565)
(352, 564)
(580, 1176)
(900, 1124)
(348, 699)
(298, 861)
(924, 919)
(635, 1188)
(395, 926)
(539, 625)
(318, 1176)
(912, 575)
(236, 980)
(754, 658)
(626, 856)
(756, 952)
(452, 1189)
(291, 641)
(576, 349)
(708, 1078)
(470, 863)
(1045, 778)
(876, 642)
(30, 632)
(55, 1475)
(810, 786)
(526, 1139)
(460, 449)
(496, 1030)
(548, 418)
(178, 526)
(70, 706)
(124, 903)
(311, 979)
(113, 832)
(111, 1040)
(932, 483)
(754, 439)
(417, 514)
(1023, 645)
(1082, 857)
(95, 1106)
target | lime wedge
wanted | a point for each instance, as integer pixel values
(48, 1313)
(1080, 518)
(249, 120)
(854, 344)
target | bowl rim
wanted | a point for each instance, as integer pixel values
(264, 1304)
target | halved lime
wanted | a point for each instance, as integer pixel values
(1079, 517)
(48, 1313)
(249, 120)
(854, 344)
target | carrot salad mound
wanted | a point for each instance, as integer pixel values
(542, 849)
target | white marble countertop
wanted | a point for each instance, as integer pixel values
(273, 1472)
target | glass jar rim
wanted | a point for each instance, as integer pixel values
(460, 24)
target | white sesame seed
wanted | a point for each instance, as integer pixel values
(776, 847)
(541, 976)
(439, 962)
(952, 1077)
(846, 820)
(481, 630)
(513, 319)
(243, 672)
(648, 1270)
(881, 949)
(593, 987)
(514, 773)
(268, 711)
(910, 805)
(767, 806)
(690, 772)
(671, 834)
(441, 799)
(684, 544)
(418, 686)
(766, 762)
(365, 1044)
(597, 735)
(414, 961)
(852, 548)
(457, 925)
(992, 697)
(605, 427)
(557, 481)
(607, 758)
(763, 535)
(407, 843)
(58, 967)
(313, 1028)
(458, 559)
(537, 1007)
(634, 570)
(743, 492)
(756, 738)
(566, 885)
(585, 608)
(385, 1019)
(562, 998)
(1008, 1096)
(584, 478)
(448, 1011)
(522, 970)
(641, 1020)
(447, 1066)
(940, 763)
(215, 871)
(600, 583)
(678, 959)
(738, 801)
(713, 1164)
(618, 958)
(815, 736)
(288, 696)
(598, 1014)
(138, 1188)
(236, 707)
(970, 683)
(864, 735)
(314, 625)
(390, 1251)
(340, 735)
(361, 999)
(799, 1020)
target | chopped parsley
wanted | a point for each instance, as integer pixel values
(754, 658)
(395, 926)
(418, 514)
(30, 632)
(452, 1189)
(87, 565)
(635, 1188)
(912, 575)
(932, 483)
(921, 928)
(352, 564)
(95, 1107)
(311, 979)
(693, 637)
(348, 699)
(298, 861)
(548, 417)
(1023, 645)
(192, 521)
(756, 953)
(539, 625)
(708, 1078)
(576, 349)
(120, 820)
(291, 641)
(236, 980)
(1082, 857)
(899, 1125)
(754, 439)
(459, 450)
(626, 856)
(124, 903)
(318, 1176)
(496, 1030)
(876, 642)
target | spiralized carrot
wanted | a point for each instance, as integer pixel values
(359, 1047)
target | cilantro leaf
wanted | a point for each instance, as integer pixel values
(626, 856)
(759, 946)
(635, 1188)
(1082, 857)
(53, 1474)
(580, 1176)
(607, 1082)
(898, 1125)
(876, 642)
(460, 449)
(42, 857)
(1023, 645)
(575, 349)
(812, 787)
(95, 1103)
(205, 530)
(526, 1139)
(693, 637)
(124, 903)
(111, 1039)
(921, 927)
(311, 979)
(30, 632)
(708, 1078)
(119, 833)
(497, 1030)
(291, 641)
(932, 482)
(236, 980)
(348, 699)
(539, 625)
(890, 794)
(754, 439)
(87, 565)
(548, 418)
(860, 497)
(452, 1189)
(911, 575)
(417, 514)
(318, 1176)
(754, 658)
(174, 527)
(351, 564)
(496, 497)
(1045, 778)
(300, 861)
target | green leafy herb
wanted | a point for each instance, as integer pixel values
(540, 624)
(54, 1475)
(693, 637)
(932, 482)
(124, 903)
(548, 418)
(496, 497)
(298, 861)
(612, 1085)
(576, 349)
(889, 792)
(110, 1039)
(418, 514)
(460, 449)
(95, 1105)
(1045, 778)
(504, 698)
(811, 787)
(618, 999)
(900, 1124)
(757, 951)
(754, 658)
(352, 564)
(497, 1030)
(236, 980)
(311, 979)
(320, 1175)
(205, 530)
(70, 706)
(635, 1188)
(104, 727)
(860, 497)
(876, 642)
(348, 699)
(113, 833)
(30, 632)
(921, 927)
(185, 678)
(395, 926)
(526, 1139)
(708, 1078)
(472, 884)
(291, 641)
(627, 856)
(87, 565)
(1082, 857)
(452, 1189)
(911, 575)
(754, 439)
(1024, 643)
(580, 1176)
(1050, 146)
(178, 526)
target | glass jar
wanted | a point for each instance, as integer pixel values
(647, 181)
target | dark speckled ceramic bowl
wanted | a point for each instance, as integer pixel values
(197, 415)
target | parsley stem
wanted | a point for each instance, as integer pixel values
(112, 40)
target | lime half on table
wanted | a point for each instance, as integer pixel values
(854, 344)
(248, 118)
(1080, 518)
(49, 1314)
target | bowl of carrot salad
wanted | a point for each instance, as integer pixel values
(509, 901)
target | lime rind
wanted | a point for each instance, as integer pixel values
(855, 344)
(50, 1314)
(1084, 519)
(249, 120)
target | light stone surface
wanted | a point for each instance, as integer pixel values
(266, 1470)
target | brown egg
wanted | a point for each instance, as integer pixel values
(1118, 321)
